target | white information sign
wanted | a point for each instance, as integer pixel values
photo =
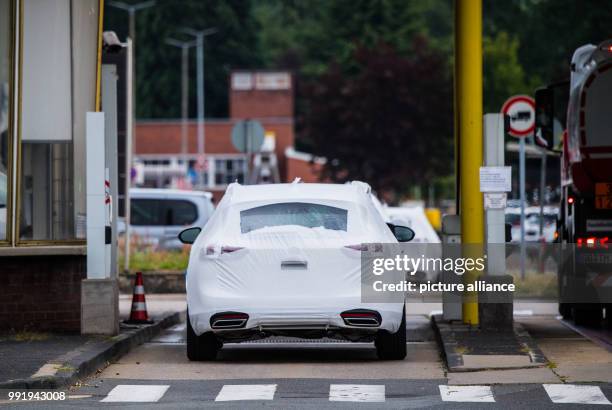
(495, 200)
(495, 179)
(242, 81)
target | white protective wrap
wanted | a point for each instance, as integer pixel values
(285, 274)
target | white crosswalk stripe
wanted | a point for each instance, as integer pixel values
(136, 393)
(575, 394)
(357, 392)
(558, 393)
(233, 392)
(466, 393)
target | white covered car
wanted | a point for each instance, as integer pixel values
(285, 259)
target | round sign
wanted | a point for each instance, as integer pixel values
(248, 135)
(521, 110)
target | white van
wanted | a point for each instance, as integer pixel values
(159, 215)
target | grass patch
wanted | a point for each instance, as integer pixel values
(27, 336)
(157, 260)
(66, 368)
(462, 350)
(541, 285)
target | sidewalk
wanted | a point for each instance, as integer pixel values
(467, 348)
(541, 350)
(47, 360)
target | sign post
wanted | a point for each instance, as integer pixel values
(247, 137)
(521, 111)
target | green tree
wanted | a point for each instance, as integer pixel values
(388, 123)
(159, 65)
(504, 76)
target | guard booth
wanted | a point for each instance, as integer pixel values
(50, 78)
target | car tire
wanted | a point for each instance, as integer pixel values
(392, 346)
(201, 348)
(565, 310)
(588, 315)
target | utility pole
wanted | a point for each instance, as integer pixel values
(184, 46)
(199, 36)
(468, 121)
(129, 142)
(132, 9)
(131, 112)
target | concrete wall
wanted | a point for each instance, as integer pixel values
(41, 292)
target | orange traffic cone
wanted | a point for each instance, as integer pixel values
(139, 314)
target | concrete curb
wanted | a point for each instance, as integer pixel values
(454, 359)
(95, 356)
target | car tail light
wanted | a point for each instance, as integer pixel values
(361, 318)
(228, 320)
(363, 247)
(211, 249)
(593, 241)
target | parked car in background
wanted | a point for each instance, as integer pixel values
(532, 223)
(159, 215)
(285, 260)
(415, 218)
(424, 234)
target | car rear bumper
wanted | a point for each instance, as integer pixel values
(278, 320)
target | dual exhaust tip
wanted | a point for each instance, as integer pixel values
(355, 317)
(228, 320)
(361, 318)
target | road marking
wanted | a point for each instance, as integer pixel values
(466, 393)
(575, 394)
(523, 312)
(136, 393)
(232, 392)
(357, 392)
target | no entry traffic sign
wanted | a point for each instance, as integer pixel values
(521, 110)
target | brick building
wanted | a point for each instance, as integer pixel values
(264, 96)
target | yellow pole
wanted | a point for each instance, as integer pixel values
(98, 101)
(468, 120)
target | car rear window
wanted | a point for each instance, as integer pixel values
(162, 212)
(293, 213)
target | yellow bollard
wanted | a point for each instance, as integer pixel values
(468, 121)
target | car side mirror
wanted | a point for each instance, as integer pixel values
(402, 233)
(189, 235)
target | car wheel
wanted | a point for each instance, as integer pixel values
(392, 346)
(565, 310)
(587, 315)
(203, 347)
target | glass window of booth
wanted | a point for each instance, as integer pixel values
(6, 112)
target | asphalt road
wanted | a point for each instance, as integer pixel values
(314, 375)
(317, 393)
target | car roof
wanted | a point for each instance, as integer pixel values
(354, 192)
(164, 191)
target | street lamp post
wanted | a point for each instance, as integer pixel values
(199, 35)
(184, 46)
(131, 111)
(132, 9)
